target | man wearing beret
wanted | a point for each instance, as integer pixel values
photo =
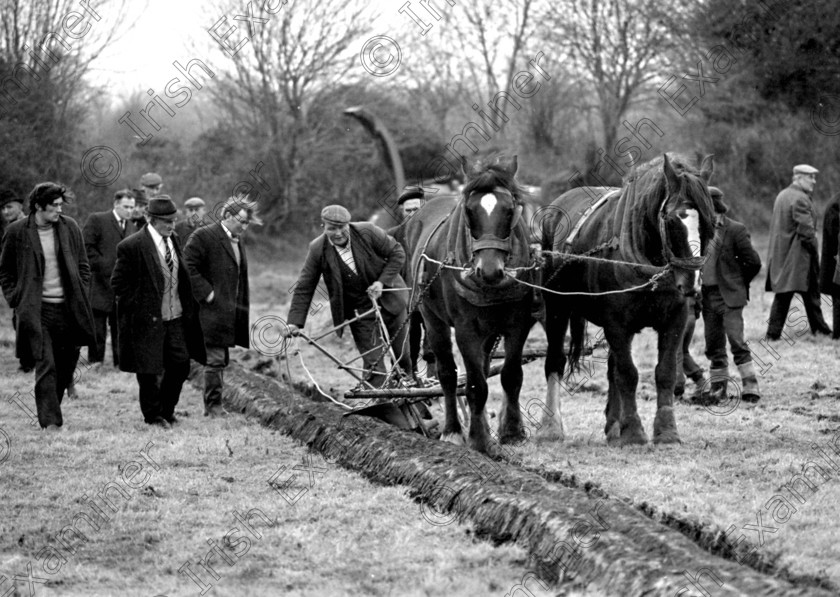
(103, 231)
(159, 330)
(409, 203)
(195, 211)
(731, 264)
(44, 273)
(357, 262)
(218, 269)
(793, 262)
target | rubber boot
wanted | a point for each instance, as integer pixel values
(750, 391)
(719, 380)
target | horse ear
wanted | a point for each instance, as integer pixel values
(508, 164)
(707, 167)
(671, 176)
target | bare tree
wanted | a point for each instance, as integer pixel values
(292, 60)
(619, 45)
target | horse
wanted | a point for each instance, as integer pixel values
(639, 248)
(466, 254)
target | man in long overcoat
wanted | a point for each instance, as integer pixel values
(159, 330)
(829, 261)
(793, 263)
(103, 231)
(357, 261)
(218, 268)
(44, 273)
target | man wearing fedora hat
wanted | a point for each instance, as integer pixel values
(358, 261)
(793, 262)
(45, 274)
(731, 264)
(159, 330)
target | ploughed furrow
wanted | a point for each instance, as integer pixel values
(583, 540)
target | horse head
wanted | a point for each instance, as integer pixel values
(492, 209)
(686, 218)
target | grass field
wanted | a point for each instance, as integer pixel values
(319, 529)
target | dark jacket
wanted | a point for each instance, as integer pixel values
(828, 259)
(138, 285)
(737, 263)
(398, 232)
(212, 266)
(793, 242)
(377, 256)
(102, 235)
(22, 278)
(184, 230)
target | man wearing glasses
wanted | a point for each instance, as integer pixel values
(793, 262)
(218, 269)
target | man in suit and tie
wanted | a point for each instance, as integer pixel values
(159, 330)
(358, 261)
(103, 231)
(218, 269)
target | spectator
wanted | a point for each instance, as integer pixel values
(103, 231)
(138, 214)
(44, 273)
(195, 212)
(218, 268)
(731, 264)
(159, 329)
(793, 264)
(828, 265)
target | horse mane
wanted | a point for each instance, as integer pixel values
(645, 188)
(490, 177)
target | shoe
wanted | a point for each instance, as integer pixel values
(216, 411)
(749, 383)
(160, 422)
(172, 420)
(26, 368)
(52, 428)
(770, 338)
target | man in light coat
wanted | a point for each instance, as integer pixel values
(793, 262)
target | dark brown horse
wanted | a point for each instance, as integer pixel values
(657, 225)
(482, 240)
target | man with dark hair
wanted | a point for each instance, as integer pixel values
(44, 273)
(218, 269)
(410, 202)
(159, 329)
(138, 213)
(358, 261)
(731, 264)
(103, 231)
(793, 262)
(195, 211)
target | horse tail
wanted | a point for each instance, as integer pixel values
(577, 329)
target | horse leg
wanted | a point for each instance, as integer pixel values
(510, 421)
(556, 322)
(613, 412)
(665, 424)
(440, 341)
(473, 354)
(626, 378)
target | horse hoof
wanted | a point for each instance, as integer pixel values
(667, 438)
(514, 436)
(453, 438)
(665, 427)
(551, 433)
(613, 433)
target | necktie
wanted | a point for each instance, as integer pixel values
(122, 225)
(170, 263)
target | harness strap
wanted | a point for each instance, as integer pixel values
(589, 211)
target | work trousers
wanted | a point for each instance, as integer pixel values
(55, 366)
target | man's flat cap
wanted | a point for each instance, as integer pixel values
(804, 169)
(717, 200)
(7, 197)
(411, 193)
(151, 179)
(162, 206)
(335, 214)
(194, 202)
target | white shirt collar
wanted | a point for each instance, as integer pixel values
(119, 219)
